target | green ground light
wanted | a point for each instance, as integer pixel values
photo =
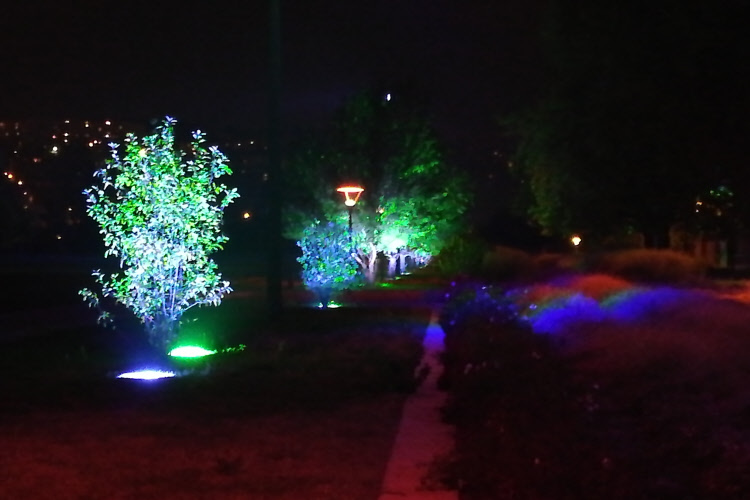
(190, 351)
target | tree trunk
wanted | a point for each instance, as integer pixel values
(392, 260)
(162, 332)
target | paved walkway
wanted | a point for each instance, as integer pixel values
(422, 436)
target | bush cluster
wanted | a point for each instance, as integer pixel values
(461, 255)
(508, 403)
(651, 266)
(478, 320)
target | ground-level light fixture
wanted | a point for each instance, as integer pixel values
(147, 374)
(575, 240)
(190, 351)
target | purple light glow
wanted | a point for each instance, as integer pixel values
(558, 309)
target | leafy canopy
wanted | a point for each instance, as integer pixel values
(327, 265)
(412, 200)
(160, 212)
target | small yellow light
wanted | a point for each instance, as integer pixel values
(246, 215)
(576, 240)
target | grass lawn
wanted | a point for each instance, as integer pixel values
(618, 392)
(308, 409)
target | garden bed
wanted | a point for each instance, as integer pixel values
(305, 408)
(631, 393)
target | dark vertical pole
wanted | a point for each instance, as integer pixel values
(351, 231)
(273, 276)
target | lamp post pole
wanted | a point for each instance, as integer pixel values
(351, 196)
(274, 272)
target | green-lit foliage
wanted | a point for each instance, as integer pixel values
(412, 200)
(160, 212)
(327, 265)
(462, 254)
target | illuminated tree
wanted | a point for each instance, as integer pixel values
(327, 265)
(160, 211)
(413, 200)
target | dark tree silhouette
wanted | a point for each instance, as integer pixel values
(644, 109)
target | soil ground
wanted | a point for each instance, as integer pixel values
(654, 405)
(306, 407)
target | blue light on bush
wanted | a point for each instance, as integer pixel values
(637, 303)
(561, 313)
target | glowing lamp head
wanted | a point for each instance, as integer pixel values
(575, 240)
(351, 194)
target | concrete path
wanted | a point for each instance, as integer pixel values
(422, 436)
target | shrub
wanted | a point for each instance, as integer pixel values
(160, 212)
(597, 286)
(505, 263)
(549, 265)
(327, 262)
(461, 255)
(469, 302)
(653, 266)
(560, 314)
(478, 321)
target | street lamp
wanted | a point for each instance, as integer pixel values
(576, 241)
(351, 196)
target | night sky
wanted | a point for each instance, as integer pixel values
(208, 64)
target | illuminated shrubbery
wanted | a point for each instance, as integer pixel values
(327, 263)
(160, 212)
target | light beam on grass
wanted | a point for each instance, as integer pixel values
(190, 351)
(331, 305)
(147, 374)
